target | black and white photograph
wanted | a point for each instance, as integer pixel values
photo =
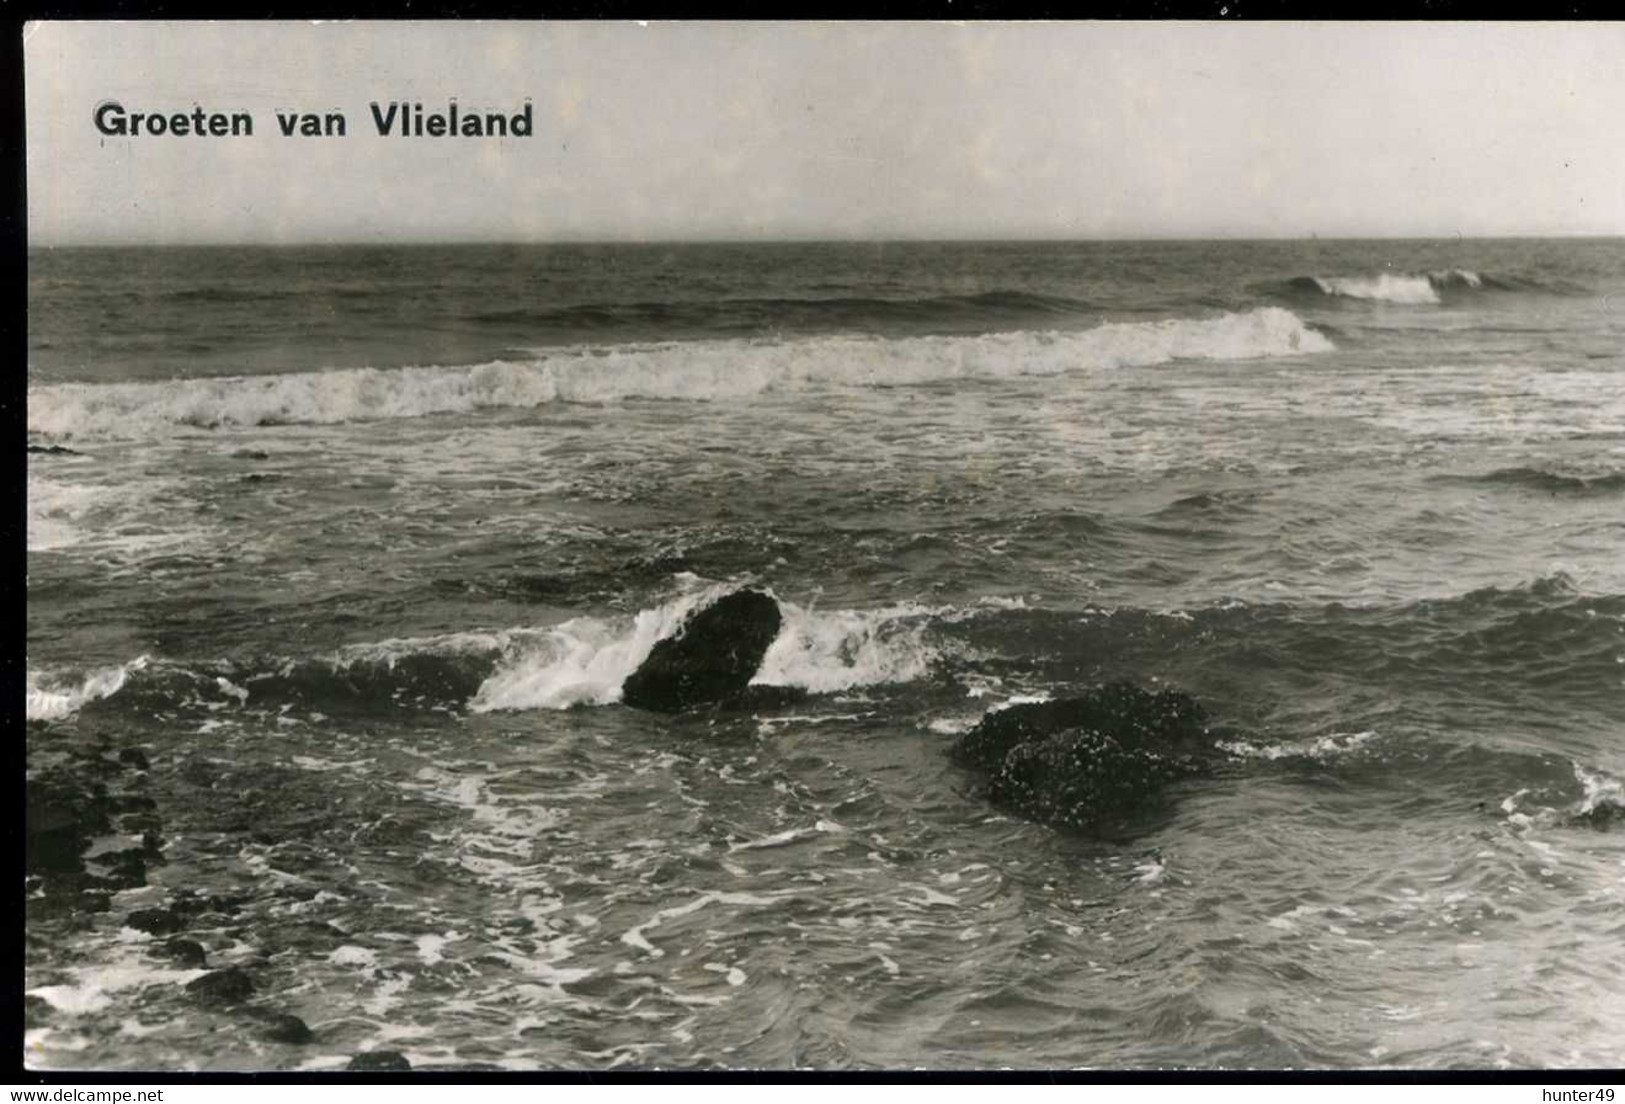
(824, 546)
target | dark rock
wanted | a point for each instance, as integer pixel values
(53, 450)
(63, 814)
(379, 1060)
(94, 901)
(1601, 816)
(125, 869)
(37, 1011)
(134, 757)
(283, 1028)
(1088, 762)
(49, 906)
(1166, 721)
(58, 847)
(155, 921)
(222, 987)
(185, 952)
(712, 657)
(67, 893)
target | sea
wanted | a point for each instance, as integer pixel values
(337, 558)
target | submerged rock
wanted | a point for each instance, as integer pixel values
(125, 869)
(185, 952)
(1087, 762)
(155, 921)
(280, 1027)
(711, 658)
(63, 815)
(222, 987)
(37, 1011)
(1601, 816)
(379, 1060)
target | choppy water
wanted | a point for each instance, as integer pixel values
(356, 546)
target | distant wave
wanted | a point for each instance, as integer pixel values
(999, 309)
(1416, 289)
(1576, 484)
(698, 370)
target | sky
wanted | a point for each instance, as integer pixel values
(744, 131)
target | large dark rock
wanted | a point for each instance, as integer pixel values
(1089, 762)
(711, 658)
(70, 804)
(63, 814)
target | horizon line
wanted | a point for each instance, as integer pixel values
(221, 243)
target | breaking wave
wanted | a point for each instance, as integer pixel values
(54, 695)
(584, 661)
(1416, 289)
(696, 371)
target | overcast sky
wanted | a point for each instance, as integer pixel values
(743, 131)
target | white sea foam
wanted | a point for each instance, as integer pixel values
(1599, 789)
(1323, 747)
(634, 937)
(699, 370)
(53, 695)
(827, 651)
(1037, 698)
(1387, 288)
(56, 511)
(133, 517)
(584, 661)
(789, 836)
(351, 955)
(92, 988)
